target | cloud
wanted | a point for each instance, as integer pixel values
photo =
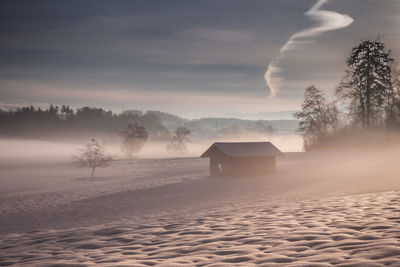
(325, 21)
(229, 36)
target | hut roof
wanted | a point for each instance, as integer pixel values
(244, 149)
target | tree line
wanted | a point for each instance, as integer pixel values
(367, 98)
(134, 127)
(64, 122)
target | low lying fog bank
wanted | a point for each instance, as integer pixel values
(173, 185)
(36, 150)
(63, 151)
(358, 140)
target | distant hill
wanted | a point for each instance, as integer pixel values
(215, 124)
(167, 118)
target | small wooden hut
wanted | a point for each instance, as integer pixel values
(242, 159)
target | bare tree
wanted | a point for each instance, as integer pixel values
(177, 143)
(161, 133)
(134, 137)
(93, 156)
(317, 119)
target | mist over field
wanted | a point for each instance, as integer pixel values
(51, 150)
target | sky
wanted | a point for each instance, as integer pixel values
(204, 58)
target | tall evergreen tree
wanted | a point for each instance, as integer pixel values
(367, 83)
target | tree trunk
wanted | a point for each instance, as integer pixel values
(368, 106)
(93, 172)
(368, 91)
(363, 115)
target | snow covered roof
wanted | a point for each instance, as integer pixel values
(244, 149)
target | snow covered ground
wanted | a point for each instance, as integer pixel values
(32, 186)
(359, 230)
(319, 209)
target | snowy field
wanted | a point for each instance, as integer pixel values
(319, 209)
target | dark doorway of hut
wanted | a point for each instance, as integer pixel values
(242, 158)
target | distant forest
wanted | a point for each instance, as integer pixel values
(64, 123)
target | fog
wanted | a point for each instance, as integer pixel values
(350, 163)
(57, 150)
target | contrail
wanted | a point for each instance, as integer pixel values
(326, 21)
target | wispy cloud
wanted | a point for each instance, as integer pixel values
(325, 21)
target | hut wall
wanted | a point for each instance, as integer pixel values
(214, 168)
(250, 166)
